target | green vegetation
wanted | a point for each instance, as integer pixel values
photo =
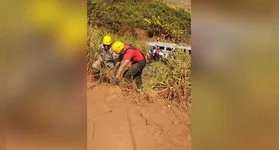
(125, 16)
(134, 22)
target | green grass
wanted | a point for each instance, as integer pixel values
(129, 15)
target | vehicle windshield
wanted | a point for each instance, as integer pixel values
(169, 49)
(162, 48)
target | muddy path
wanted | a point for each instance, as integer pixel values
(116, 122)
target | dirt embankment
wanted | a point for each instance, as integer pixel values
(116, 122)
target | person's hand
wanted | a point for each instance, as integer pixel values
(117, 77)
(115, 81)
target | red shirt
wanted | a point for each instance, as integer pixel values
(132, 54)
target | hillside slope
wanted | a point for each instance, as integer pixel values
(156, 19)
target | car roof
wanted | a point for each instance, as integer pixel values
(170, 45)
(185, 47)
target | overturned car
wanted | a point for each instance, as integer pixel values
(159, 51)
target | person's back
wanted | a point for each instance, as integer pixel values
(129, 54)
(132, 54)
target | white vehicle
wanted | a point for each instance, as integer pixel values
(168, 48)
(184, 47)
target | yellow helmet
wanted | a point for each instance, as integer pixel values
(107, 40)
(117, 47)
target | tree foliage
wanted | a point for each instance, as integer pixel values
(157, 19)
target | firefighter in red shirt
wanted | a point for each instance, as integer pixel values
(127, 54)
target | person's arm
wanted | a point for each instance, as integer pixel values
(100, 49)
(124, 63)
(118, 61)
(117, 64)
(99, 53)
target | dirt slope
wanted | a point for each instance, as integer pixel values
(115, 122)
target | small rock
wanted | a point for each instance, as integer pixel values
(146, 122)
(174, 122)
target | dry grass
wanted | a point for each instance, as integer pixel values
(172, 80)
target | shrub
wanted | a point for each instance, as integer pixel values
(120, 16)
(173, 79)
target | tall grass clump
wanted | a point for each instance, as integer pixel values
(94, 37)
(173, 80)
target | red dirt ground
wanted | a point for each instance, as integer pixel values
(116, 122)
